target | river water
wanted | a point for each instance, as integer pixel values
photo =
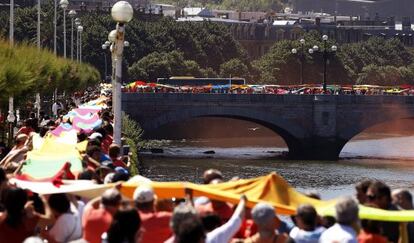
(389, 158)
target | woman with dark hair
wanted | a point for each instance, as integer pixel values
(125, 227)
(21, 220)
(68, 222)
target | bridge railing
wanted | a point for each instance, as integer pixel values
(265, 98)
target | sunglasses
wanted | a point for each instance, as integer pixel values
(371, 197)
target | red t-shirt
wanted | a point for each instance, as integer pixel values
(365, 237)
(94, 223)
(25, 130)
(118, 162)
(106, 142)
(156, 226)
(20, 233)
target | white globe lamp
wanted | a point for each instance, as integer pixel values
(122, 12)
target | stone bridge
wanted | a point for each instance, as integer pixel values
(313, 126)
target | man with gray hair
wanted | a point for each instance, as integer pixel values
(267, 222)
(343, 231)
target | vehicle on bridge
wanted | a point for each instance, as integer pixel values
(192, 81)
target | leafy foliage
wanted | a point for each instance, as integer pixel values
(26, 70)
(163, 64)
(162, 47)
(234, 68)
(133, 134)
(376, 61)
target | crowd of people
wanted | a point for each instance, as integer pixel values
(271, 89)
(112, 218)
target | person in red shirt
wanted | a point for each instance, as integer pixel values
(370, 232)
(107, 138)
(98, 214)
(26, 129)
(114, 154)
(156, 224)
(21, 220)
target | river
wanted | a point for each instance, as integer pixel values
(388, 157)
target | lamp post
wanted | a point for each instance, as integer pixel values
(104, 47)
(77, 23)
(71, 14)
(11, 39)
(38, 24)
(11, 28)
(80, 29)
(325, 55)
(10, 119)
(64, 5)
(54, 27)
(112, 39)
(302, 58)
(122, 12)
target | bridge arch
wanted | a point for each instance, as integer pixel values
(291, 133)
(368, 122)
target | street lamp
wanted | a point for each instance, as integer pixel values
(104, 47)
(64, 5)
(38, 24)
(325, 53)
(54, 26)
(77, 23)
(122, 13)
(302, 57)
(80, 29)
(11, 118)
(71, 14)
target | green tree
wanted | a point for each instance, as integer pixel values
(234, 68)
(156, 65)
(26, 70)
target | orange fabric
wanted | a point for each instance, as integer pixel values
(365, 237)
(271, 188)
(94, 223)
(156, 226)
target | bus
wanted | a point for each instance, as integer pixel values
(192, 81)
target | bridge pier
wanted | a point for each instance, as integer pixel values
(317, 149)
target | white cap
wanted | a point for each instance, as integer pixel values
(143, 194)
(108, 178)
(95, 135)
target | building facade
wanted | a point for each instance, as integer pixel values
(366, 9)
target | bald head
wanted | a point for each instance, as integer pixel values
(111, 197)
(212, 174)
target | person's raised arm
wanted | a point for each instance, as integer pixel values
(47, 218)
(94, 203)
(225, 232)
(241, 207)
